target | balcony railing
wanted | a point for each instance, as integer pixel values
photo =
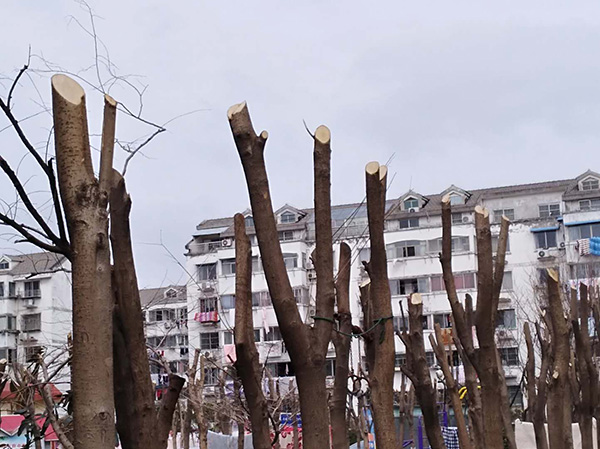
(35, 293)
(197, 248)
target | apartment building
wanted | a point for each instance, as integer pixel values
(552, 225)
(35, 305)
(165, 323)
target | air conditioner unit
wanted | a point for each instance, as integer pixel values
(226, 242)
(466, 219)
(541, 254)
(311, 275)
(562, 245)
(30, 302)
(413, 209)
(503, 333)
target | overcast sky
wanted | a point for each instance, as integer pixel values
(472, 93)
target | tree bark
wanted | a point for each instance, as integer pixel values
(246, 364)
(166, 410)
(341, 340)
(417, 371)
(85, 208)
(462, 327)
(559, 403)
(442, 356)
(381, 373)
(307, 346)
(487, 364)
(534, 394)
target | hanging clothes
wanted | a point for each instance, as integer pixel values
(450, 435)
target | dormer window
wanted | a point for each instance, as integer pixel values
(590, 184)
(171, 293)
(287, 217)
(249, 221)
(411, 203)
(4, 265)
(456, 199)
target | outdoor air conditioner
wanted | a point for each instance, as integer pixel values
(226, 242)
(311, 275)
(30, 302)
(413, 209)
(541, 254)
(562, 245)
(503, 334)
(465, 219)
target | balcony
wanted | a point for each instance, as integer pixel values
(197, 248)
(32, 293)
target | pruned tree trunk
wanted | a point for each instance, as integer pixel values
(85, 206)
(534, 393)
(402, 409)
(417, 371)
(307, 346)
(247, 360)
(559, 401)
(462, 327)
(341, 341)
(381, 371)
(442, 357)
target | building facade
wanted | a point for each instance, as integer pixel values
(35, 305)
(165, 322)
(551, 226)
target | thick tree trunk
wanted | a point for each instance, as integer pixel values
(442, 357)
(487, 364)
(341, 340)
(381, 373)
(246, 364)
(307, 347)
(417, 371)
(559, 403)
(533, 393)
(463, 325)
(166, 410)
(85, 208)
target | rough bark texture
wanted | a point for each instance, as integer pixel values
(341, 340)
(247, 364)
(85, 209)
(559, 400)
(451, 387)
(417, 371)
(381, 372)
(487, 364)
(533, 393)
(462, 327)
(165, 412)
(307, 346)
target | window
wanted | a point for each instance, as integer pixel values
(515, 395)
(161, 315)
(330, 367)
(211, 375)
(456, 199)
(4, 265)
(301, 295)
(287, 217)
(590, 184)
(12, 290)
(257, 333)
(509, 356)
(207, 272)
(208, 304)
(228, 302)
(181, 313)
(227, 338)
(462, 281)
(273, 335)
(406, 223)
(32, 353)
(249, 221)
(584, 231)
(209, 340)
(580, 271)
(400, 324)
(1, 289)
(286, 236)
(459, 243)
(9, 354)
(457, 218)
(507, 281)
(31, 322)
(182, 340)
(262, 299)
(32, 289)
(508, 213)
(506, 319)
(171, 293)
(256, 265)
(592, 204)
(228, 266)
(408, 286)
(281, 369)
(545, 239)
(443, 319)
(411, 203)
(430, 357)
(495, 239)
(407, 248)
(7, 323)
(425, 322)
(400, 360)
(549, 210)
(290, 261)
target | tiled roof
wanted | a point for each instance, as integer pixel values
(35, 263)
(156, 296)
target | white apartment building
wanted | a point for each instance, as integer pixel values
(551, 224)
(35, 305)
(165, 318)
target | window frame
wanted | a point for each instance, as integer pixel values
(543, 243)
(551, 210)
(31, 322)
(228, 267)
(591, 181)
(209, 341)
(410, 203)
(287, 220)
(210, 269)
